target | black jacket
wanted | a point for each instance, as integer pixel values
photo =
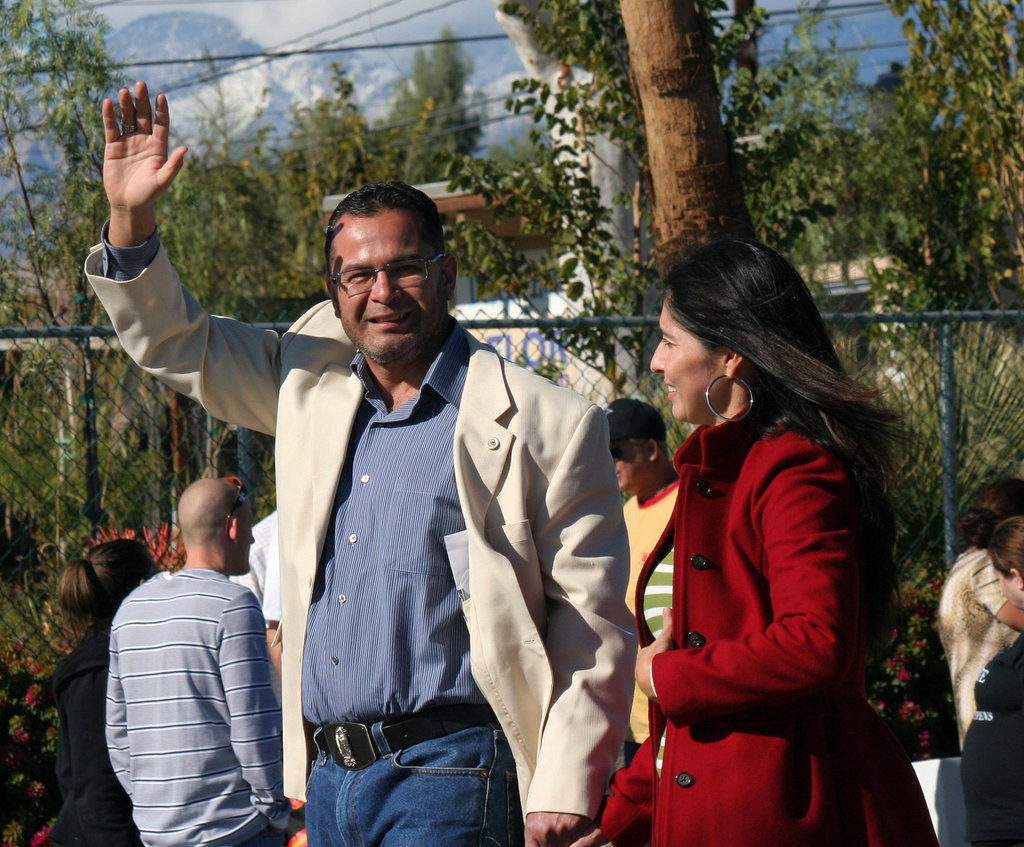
(96, 810)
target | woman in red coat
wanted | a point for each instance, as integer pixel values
(758, 605)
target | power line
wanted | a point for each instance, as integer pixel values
(311, 51)
(263, 59)
(858, 48)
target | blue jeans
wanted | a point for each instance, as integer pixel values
(459, 790)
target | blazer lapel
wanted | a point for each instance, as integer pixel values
(482, 443)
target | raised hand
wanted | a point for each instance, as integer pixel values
(136, 166)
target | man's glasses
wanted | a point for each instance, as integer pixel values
(240, 495)
(404, 273)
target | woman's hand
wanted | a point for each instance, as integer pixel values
(662, 644)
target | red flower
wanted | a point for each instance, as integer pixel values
(41, 838)
(36, 790)
(19, 735)
(903, 675)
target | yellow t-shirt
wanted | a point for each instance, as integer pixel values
(644, 525)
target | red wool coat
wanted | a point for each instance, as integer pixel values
(770, 740)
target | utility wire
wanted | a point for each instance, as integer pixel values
(262, 57)
(310, 51)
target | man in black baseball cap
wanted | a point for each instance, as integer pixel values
(644, 468)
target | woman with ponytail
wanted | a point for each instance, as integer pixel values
(96, 811)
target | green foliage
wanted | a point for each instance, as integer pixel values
(432, 115)
(554, 193)
(514, 151)
(55, 69)
(946, 232)
(967, 68)
(220, 218)
(837, 172)
(990, 418)
(801, 125)
(328, 151)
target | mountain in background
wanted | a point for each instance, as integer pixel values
(250, 93)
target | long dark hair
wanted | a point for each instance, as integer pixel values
(1001, 499)
(741, 294)
(92, 588)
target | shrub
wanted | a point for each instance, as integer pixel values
(163, 542)
(29, 796)
(909, 685)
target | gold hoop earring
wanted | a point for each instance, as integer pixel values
(718, 414)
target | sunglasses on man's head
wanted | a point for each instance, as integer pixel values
(241, 494)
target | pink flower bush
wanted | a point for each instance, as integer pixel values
(908, 684)
(29, 799)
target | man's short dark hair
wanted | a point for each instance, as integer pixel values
(377, 197)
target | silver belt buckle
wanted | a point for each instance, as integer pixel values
(354, 747)
(344, 747)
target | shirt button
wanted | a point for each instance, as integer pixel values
(699, 562)
(685, 780)
(704, 488)
(342, 598)
(365, 478)
(695, 639)
(353, 538)
(334, 660)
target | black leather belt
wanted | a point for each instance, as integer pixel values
(351, 744)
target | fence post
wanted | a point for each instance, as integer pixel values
(947, 436)
(93, 506)
(246, 456)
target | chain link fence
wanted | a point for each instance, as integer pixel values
(94, 448)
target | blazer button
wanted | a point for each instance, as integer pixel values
(695, 639)
(685, 780)
(699, 562)
(493, 443)
(704, 488)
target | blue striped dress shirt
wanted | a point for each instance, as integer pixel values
(386, 635)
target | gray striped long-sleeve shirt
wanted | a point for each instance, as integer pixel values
(193, 728)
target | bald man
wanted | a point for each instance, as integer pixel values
(193, 727)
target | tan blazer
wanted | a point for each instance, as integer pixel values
(552, 644)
